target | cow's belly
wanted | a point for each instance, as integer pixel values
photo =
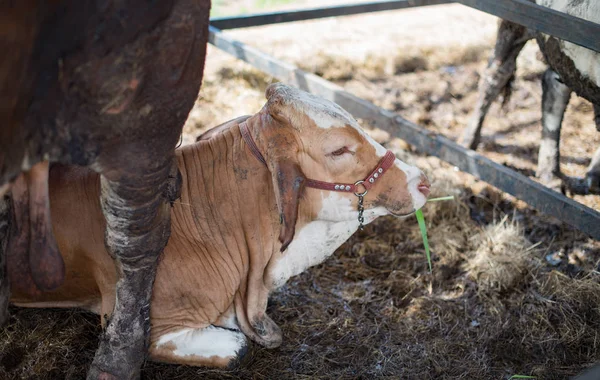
(585, 60)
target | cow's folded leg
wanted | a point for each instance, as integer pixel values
(4, 284)
(555, 97)
(501, 68)
(210, 346)
(137, 215)
(267, 330)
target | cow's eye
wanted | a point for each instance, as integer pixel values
(340, 151)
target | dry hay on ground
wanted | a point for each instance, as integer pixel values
(493, 306)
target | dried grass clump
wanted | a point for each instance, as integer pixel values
(501, 259)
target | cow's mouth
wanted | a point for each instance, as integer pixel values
(400, 215)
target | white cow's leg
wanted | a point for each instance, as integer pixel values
(555, 97)
(210, 346)
(501, 68)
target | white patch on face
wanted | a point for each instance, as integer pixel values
(324, 113)
(585, 60)
(413, 179)
(207, 342)
(316, 241)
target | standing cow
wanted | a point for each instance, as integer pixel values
(107, 85)
(572, 68)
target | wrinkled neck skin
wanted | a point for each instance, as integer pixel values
(224, 231)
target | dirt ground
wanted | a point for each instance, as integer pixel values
(513, 292)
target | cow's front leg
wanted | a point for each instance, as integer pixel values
(137, 212)
(501, 68)
(593, 172)
(5, 218)
(590, 184)
(555, 97)
(269, 334)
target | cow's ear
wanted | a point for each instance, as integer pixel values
(279, 138)
(288, 182)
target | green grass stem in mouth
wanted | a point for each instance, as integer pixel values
(521, 377)
(448, 198)
(423, 228)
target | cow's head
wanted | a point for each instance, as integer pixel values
(303, 136)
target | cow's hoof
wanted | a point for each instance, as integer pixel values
(116, 362)
(582, 186)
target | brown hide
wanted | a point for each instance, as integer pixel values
(90, 83)
(107, 85)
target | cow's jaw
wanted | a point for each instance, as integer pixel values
(317, 240)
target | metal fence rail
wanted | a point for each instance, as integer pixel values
(524, 12)
(315, 13)
(538, 196)
(542, 19)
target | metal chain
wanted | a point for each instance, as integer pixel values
(360, 213)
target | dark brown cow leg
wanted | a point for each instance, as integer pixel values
(555, 97)
(501, 68)
(590, 184)
(4, 284)
(137, 213)
(593, 171)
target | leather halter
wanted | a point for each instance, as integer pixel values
(384, 164)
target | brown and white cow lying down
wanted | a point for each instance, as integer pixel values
(241, 228)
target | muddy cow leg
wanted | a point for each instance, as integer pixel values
(555, 97)
(501, 68)
(590, 184)
(4, 284)
(592, 177)
(136, 207)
